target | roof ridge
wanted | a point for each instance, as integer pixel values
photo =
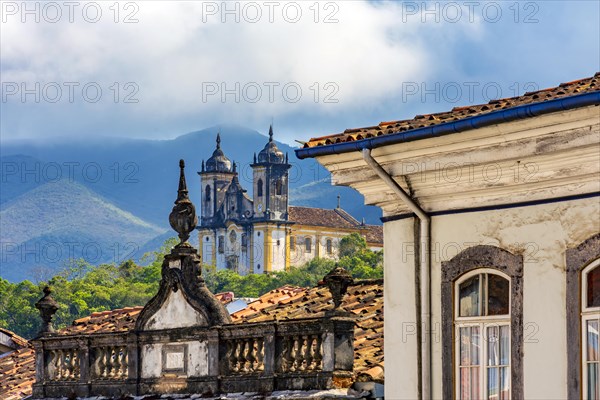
(344, 214)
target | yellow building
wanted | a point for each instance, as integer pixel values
(264, 233)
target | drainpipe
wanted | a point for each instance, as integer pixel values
(424, 270)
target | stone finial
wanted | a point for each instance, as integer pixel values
(219, 139)
(48, 307)
(202, 165)
(183, 217)
(338, 280)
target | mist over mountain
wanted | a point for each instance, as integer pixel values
(118, 190)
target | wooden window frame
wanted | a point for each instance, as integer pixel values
(483, 322)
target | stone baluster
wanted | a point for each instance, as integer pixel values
(299, 356)
(251, 358)
(309, 353)
(260, 355)
(318, 352)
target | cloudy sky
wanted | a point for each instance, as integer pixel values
(151, 69)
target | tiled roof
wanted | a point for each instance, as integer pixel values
(334, 218)
(121, 320)
(14, 340)
(374, 234)
(364, 299)
(283, 295)
(586, 85)
(17, 372)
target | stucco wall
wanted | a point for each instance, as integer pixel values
(175, 313)
(196, 363)
(541, 234)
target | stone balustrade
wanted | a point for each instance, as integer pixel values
(261, 357)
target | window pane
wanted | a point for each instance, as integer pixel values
(592, 381)
(475, 383)
(465, 345)
(492, 384)
(498, 295)
(492, 345)
(469, 346)
(469, 297)
(504, 383)
(465, 383)
(593, 288)
(592, 340)
(504, 345)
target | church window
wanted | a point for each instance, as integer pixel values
(221, 244)
(244, 240)
(259, 188)
(207, 193)
(232, 236)
(278, 187)
(329, 246)
(308, 244)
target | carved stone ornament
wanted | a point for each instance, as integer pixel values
(48, 307)
(181, 270)
(183, 218)
(338, 280)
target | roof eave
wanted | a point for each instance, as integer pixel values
(466, 124)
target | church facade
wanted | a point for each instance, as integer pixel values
(263, 233)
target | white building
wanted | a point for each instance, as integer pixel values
(492, 243)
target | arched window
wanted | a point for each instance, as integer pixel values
(278, 187)
(207, 193)
(329, 246)
(259, 188)
(582, 318)
(474, 282)
(483, 325)
(590, 324)
(308, 244)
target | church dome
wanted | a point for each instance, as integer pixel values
(271, 154)
(218, 162)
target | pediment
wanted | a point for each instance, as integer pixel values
(183, 300)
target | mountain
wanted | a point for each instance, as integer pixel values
(55, 222)
(136, 179)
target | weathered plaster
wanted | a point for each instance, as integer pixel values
(176, 312)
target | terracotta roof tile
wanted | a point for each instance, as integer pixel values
(15, 340)
(586, 85)
(17, 373)
(374, 234)
(335, 218)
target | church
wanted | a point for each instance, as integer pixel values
(264, 233)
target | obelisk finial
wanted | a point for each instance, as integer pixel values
(183, 217)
